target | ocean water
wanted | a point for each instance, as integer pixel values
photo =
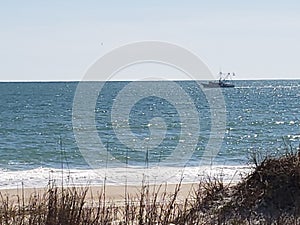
(160, 130)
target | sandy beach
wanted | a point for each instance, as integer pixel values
(113, 193)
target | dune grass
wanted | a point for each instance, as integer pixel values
(268, 195)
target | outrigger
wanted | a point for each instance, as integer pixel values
(222, 83)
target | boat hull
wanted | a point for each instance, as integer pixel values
(217, 85)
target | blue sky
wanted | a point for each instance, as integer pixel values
(59, 40)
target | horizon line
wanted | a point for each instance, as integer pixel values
(124, 80)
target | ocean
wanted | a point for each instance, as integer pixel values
(160, 132)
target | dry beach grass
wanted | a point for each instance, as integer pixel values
(270, 194)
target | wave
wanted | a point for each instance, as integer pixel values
(41, 177)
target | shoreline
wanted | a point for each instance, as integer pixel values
(263, 196)
(42, 177)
